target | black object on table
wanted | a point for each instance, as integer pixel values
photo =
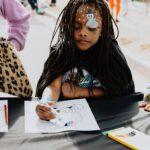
(109, 114)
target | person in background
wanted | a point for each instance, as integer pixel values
(125, 4)
(53, 3)
(18, 21)
(35, 8)
(112, 5)
(86, 61)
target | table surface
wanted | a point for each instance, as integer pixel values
(125, 114)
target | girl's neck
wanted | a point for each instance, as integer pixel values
(92, 50)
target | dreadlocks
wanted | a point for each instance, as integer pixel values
(63, 54)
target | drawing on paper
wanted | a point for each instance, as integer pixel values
(70, 115)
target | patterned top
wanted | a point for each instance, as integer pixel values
(83, 78)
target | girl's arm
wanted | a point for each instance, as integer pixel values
(52, 91)
(18, 22)
(71, 91)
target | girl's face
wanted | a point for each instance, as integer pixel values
(88, 26)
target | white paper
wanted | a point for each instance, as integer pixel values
(133, 137)
(3, 116)
(76, 113)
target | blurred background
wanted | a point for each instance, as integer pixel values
(133, 21)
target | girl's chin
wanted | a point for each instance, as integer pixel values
(83, 48)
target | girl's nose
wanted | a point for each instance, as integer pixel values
(83, 31)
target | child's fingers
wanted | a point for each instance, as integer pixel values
(147, 107)
(42, 108)
(143, 104)
(44, 113)
(46, 116)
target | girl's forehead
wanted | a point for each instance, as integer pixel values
(85, 9)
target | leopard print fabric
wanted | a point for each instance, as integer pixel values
(13, 78)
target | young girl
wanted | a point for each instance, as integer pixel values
(86, 61)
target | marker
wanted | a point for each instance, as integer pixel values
(6, 114)
(48, 101)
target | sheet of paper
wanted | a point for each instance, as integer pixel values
(130, 137)
(70, 115)
(3, 116)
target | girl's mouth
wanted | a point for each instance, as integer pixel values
(83, 41)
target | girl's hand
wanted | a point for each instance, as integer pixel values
(70, 91)
(44, 113)
(146, 105)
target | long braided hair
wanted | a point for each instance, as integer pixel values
(113, 71)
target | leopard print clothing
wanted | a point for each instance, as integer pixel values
(13, 78)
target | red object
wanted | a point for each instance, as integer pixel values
(6, 114)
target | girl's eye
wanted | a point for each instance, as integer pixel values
(92, 29)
